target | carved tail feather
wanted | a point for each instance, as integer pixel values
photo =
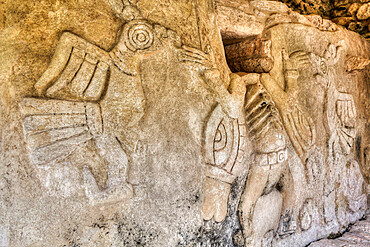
(55, 128)
(83, 77)
(78, 70)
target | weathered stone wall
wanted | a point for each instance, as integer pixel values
(179, 123)
(352, 14)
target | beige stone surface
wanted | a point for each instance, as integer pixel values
(357, 235)
(236, 20)
(179, 123)
(363, 12)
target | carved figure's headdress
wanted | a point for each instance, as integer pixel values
(125, 9)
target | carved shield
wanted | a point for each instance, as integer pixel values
(225, 140)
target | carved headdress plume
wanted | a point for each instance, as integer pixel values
(125, 9)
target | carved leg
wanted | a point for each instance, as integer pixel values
(287, 189)
(87, 155)
(287, 223)
(256, 183)
(116, 157)
(117, 188)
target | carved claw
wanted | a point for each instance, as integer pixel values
(215, 200)
(287, 224)
(200, 60)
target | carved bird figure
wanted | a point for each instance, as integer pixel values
(88, 96)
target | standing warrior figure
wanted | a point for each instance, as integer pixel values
(90, 99)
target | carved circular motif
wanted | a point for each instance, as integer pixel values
(138, 35)
(323, 67)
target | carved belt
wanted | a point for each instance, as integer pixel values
(273, 158)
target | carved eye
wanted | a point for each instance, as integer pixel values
(323, 67)
(138, 35)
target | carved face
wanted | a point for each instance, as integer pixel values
(141, 39)
(319, 64)
(323, 67)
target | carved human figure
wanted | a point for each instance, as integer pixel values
(256, 113)
(270, 169)
(298, 124)
(339, 107)
(294, 122)
(339, 122)
(89, 99)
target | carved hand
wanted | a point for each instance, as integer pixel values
(204, 64)
(231, 100)
(291, 64)
(215, 199)
(346, 111)
(296, 60)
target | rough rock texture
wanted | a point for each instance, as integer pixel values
(179, 123)
(357, 235)
(352, 14)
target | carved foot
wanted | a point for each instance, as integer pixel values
(216, 197)
(287, 225)
(113, 194)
